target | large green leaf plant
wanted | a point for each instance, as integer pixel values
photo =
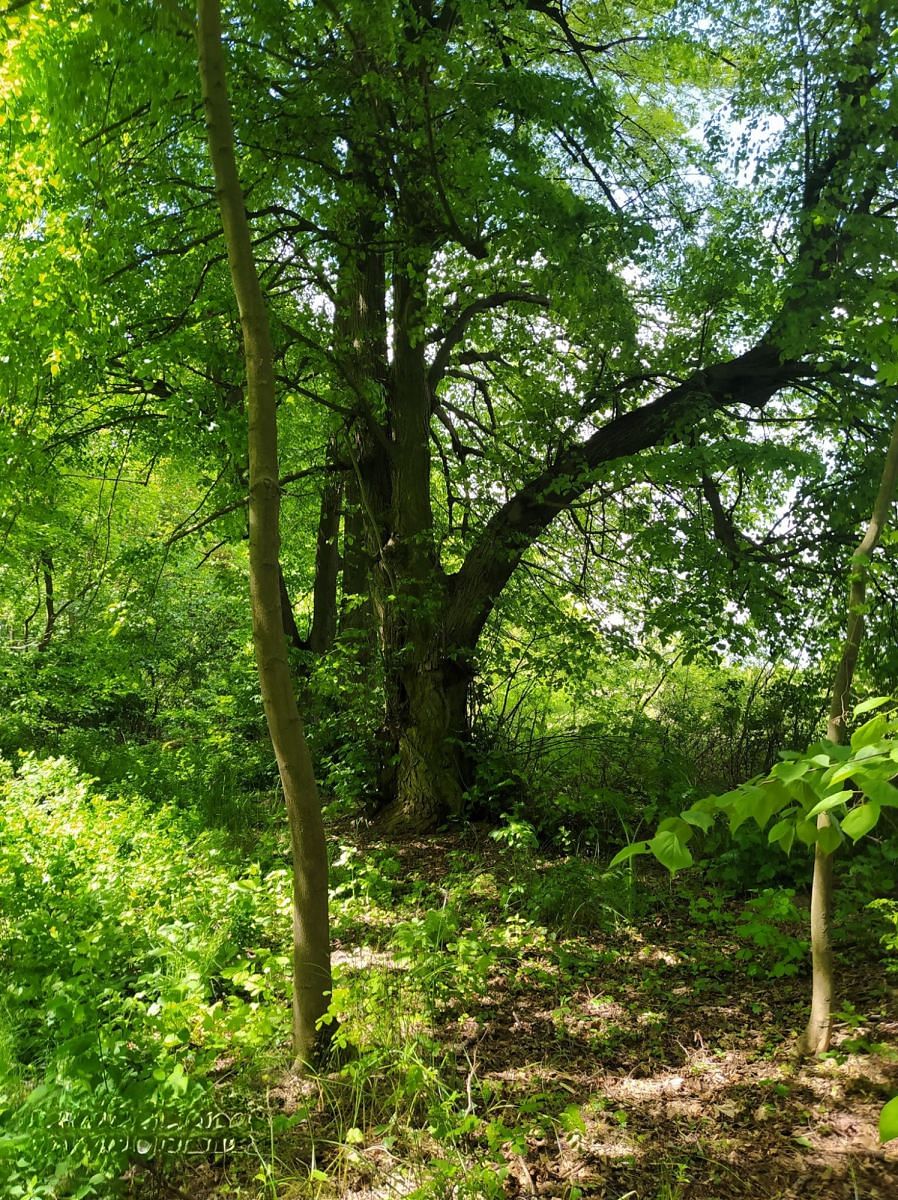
(850, 783)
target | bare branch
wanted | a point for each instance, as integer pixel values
(181, 532)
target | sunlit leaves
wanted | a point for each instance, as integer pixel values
(670, 850)
(805, 792)
(888, 1121)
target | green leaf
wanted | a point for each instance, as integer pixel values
(676, 826)
(780, 793)
(842, 773)
(699, 817)
(788, 772)
(839, 775)
(868, 705)
(878, 790)
(670, 851)
(874, 750)
(759, 801)
(806, 831)
(806, 794)
(888, 1121)
(787, 840)
(781, 828)
(861, 820)
(835, 750)
(828, 837)
(868, 733)
(629, 852)
(177, 1080)
(739, 809)
(769, 798)
(830, 802)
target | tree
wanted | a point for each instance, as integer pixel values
(819, 1029)
(311, 938)
(513, 279)
(813, 795)
(436, 157)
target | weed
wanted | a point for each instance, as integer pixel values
(766, 924)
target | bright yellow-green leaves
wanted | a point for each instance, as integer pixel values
(888, 1121)
(797, 791)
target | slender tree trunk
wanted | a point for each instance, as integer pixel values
(288, 617)
(818, 1034)
(327, 570)
(327, 563)
(311, 947)
(49, 602)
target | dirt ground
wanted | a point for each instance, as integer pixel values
(684, 1074)
(638, 1064)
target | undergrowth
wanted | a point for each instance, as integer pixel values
(145, 995)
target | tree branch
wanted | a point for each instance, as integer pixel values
(750, 379)
(292, 477)
(14, 6)
(721, 521)
(460, 327)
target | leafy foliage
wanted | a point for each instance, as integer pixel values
(643, 261)
(849, 785)
(133, 956)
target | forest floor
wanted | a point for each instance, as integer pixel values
(528, 1036)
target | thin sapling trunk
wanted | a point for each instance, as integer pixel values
(818, 1034)
(311, 945)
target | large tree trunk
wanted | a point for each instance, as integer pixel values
(311, 945)
(427, 732)
(425, 725)
(432, 774)
(818, 1034)
(362, 357)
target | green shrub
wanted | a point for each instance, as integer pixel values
(132, 955)
(578, 896)
(888, 911)
(767, 927)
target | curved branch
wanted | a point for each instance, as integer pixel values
(459, 328)
(750, 379)
(180, 533)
